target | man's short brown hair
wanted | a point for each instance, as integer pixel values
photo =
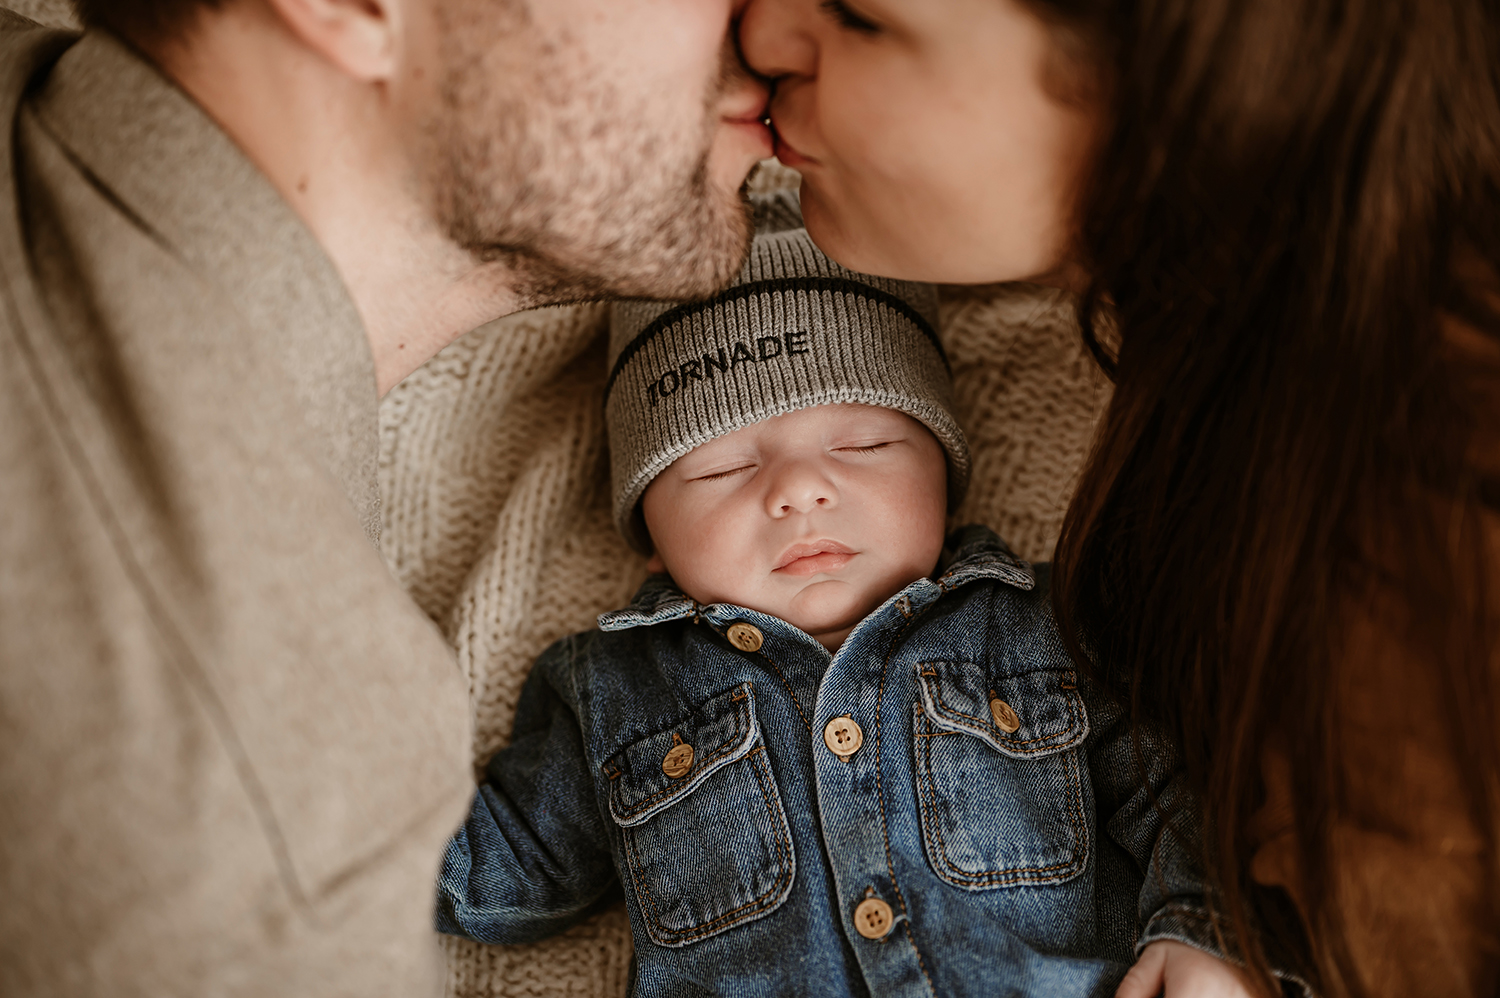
(140, 19)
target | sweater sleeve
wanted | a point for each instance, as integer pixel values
(533, 858)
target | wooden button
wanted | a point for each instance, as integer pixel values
(1005, 718)
(679, 759)
(843, 737)
(872, 919)
(745, 637)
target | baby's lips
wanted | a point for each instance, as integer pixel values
(803, 551)
(828, 561)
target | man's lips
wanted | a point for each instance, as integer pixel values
(812, 558)
(756, 131)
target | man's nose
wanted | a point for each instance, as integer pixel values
(774, 38)
(742, 95)
(800, 487)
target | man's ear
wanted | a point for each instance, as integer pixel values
(358, 36)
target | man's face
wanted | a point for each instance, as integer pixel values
(817, 516)
(596, 147)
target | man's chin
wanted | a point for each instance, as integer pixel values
(681, 266)
(670, 247)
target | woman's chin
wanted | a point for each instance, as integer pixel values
(821, 223)
(859, 239)
(870, 239)
(859, 252)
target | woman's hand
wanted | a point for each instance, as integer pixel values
(1179, 971)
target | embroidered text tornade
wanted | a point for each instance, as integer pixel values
(724, 359)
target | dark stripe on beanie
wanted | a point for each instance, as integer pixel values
(793, 284)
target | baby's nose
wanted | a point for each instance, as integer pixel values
(801, 489)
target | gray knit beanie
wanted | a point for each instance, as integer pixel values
(795, 330)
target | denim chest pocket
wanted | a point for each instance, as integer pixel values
(999, 775)
(704, 832)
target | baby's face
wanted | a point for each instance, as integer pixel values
(816, 517)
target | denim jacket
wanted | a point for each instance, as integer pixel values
(985, 796)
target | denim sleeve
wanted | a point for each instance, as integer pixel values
(533, 858)
(1150, 812)
(1146, 808)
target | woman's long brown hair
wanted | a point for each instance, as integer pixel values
(1293, 198)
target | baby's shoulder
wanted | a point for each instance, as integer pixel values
(589, 650)
(1000, 611)
(604, 662)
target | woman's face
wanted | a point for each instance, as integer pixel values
(930, 141)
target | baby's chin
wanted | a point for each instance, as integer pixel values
(827, 607)
(822, 608)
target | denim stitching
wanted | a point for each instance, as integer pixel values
(938, 695)
(676, 932)
(742, 727)
(1012, 875)
(987, 726)
(710, 928)
(783, 849)
(784, 682)
(790, 692)
(981, 722)
(885, 831)
(1076, 821)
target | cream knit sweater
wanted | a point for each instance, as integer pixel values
(496, 489)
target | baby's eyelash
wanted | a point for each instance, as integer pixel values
(841, 13)
(721, 474)
(870, 449)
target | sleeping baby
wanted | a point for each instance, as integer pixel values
(828, 749)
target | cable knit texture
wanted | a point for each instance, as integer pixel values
(497, 501)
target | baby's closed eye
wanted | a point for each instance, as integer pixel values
(717, 475)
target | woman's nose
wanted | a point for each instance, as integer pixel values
(774, 38)
(800, 487)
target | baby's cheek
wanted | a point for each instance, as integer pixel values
(917, 537)
(720, 575)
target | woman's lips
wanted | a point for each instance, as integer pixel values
(811, 559)
(786, 152)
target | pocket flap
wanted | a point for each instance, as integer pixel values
(1044, 705)
(643, 781)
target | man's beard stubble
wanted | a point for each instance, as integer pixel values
(566, 181)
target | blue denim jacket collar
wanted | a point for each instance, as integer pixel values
(972, 553)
